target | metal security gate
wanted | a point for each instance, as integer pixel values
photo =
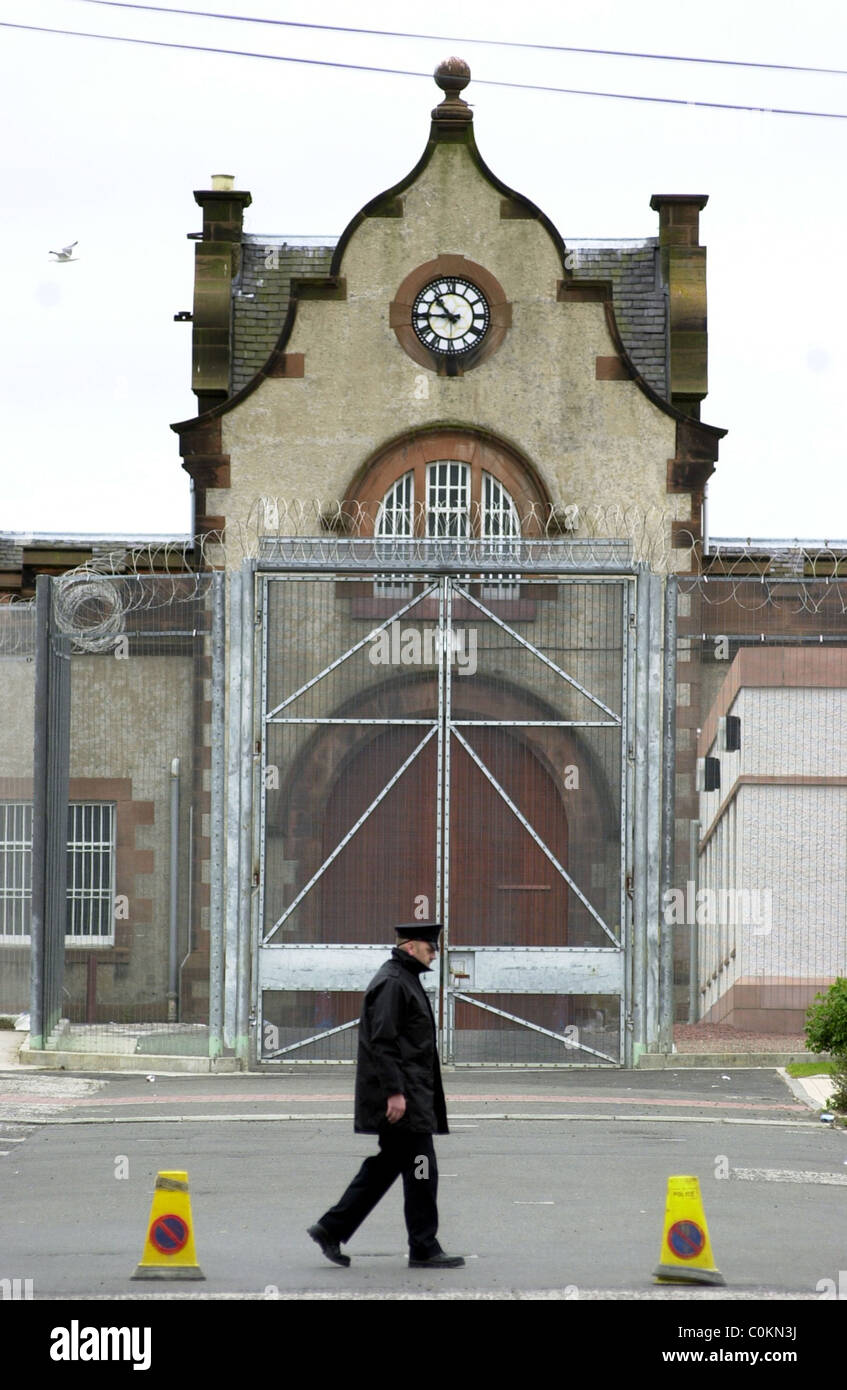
(433, 747)
(535, 841)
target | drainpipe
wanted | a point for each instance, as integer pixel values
(173, 972)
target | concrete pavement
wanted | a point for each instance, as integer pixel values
(551, 1083)
(553, 1184)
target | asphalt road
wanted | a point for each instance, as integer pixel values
(552, 1184)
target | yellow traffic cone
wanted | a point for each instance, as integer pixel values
(169, 1248)
(686, 1256)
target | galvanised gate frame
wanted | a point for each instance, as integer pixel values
(286, 944)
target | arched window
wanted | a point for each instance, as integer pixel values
(396, 514)
(499, 513)
(446, 509)
(447, 482)
(395, 520)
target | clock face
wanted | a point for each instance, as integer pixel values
(450, 316)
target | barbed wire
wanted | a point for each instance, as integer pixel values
(594, 533)
(751, 595)
(93, 601)
(93, 604)
(89, 610)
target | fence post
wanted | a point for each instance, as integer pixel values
(51, 752)
(245, 818)
(646, 813)
(666, 936)
(693, 929)
(233, 810)
(639, 813)
(217, 812)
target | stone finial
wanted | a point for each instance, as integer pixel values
(452, 76)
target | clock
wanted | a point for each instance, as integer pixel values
(450, 316)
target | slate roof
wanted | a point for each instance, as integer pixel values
(11, 552)
(262, 291)
(639, 296)
(261, 295)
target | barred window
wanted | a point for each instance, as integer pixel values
(448, 499)
(396, 521)
(448, 506)
(450, 511)
(499, 513)
(500, 523)
(91, 862)
(15, 869)
(396, 513)
(90, 873)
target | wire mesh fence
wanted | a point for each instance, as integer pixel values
(385, 750)
(17, 663)
(756, 907)
(759, 903)
(131, 818)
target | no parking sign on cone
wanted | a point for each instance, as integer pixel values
(169, 1248)
(686, 1256)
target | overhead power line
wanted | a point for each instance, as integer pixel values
(447, 38)
(406, 72)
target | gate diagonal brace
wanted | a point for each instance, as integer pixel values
(595, 699)
(536, 1027)
(305, 1042)
(350, 833)
(358, 646)
(536, 837)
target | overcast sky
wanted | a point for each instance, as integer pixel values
(105, 143)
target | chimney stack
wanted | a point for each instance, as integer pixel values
(217, 261)
(683, 265)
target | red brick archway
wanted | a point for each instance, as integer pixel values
(504, 890)
(483, 452)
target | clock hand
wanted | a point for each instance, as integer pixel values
(454, 318)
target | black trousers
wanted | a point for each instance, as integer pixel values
(401, 1152)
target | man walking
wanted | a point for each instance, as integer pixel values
(399, 1096)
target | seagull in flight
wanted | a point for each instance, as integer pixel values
(66, 253)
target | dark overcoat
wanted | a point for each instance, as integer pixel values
(398, 1053)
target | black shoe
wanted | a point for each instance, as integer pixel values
(329, 1246)
(439, 1261)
